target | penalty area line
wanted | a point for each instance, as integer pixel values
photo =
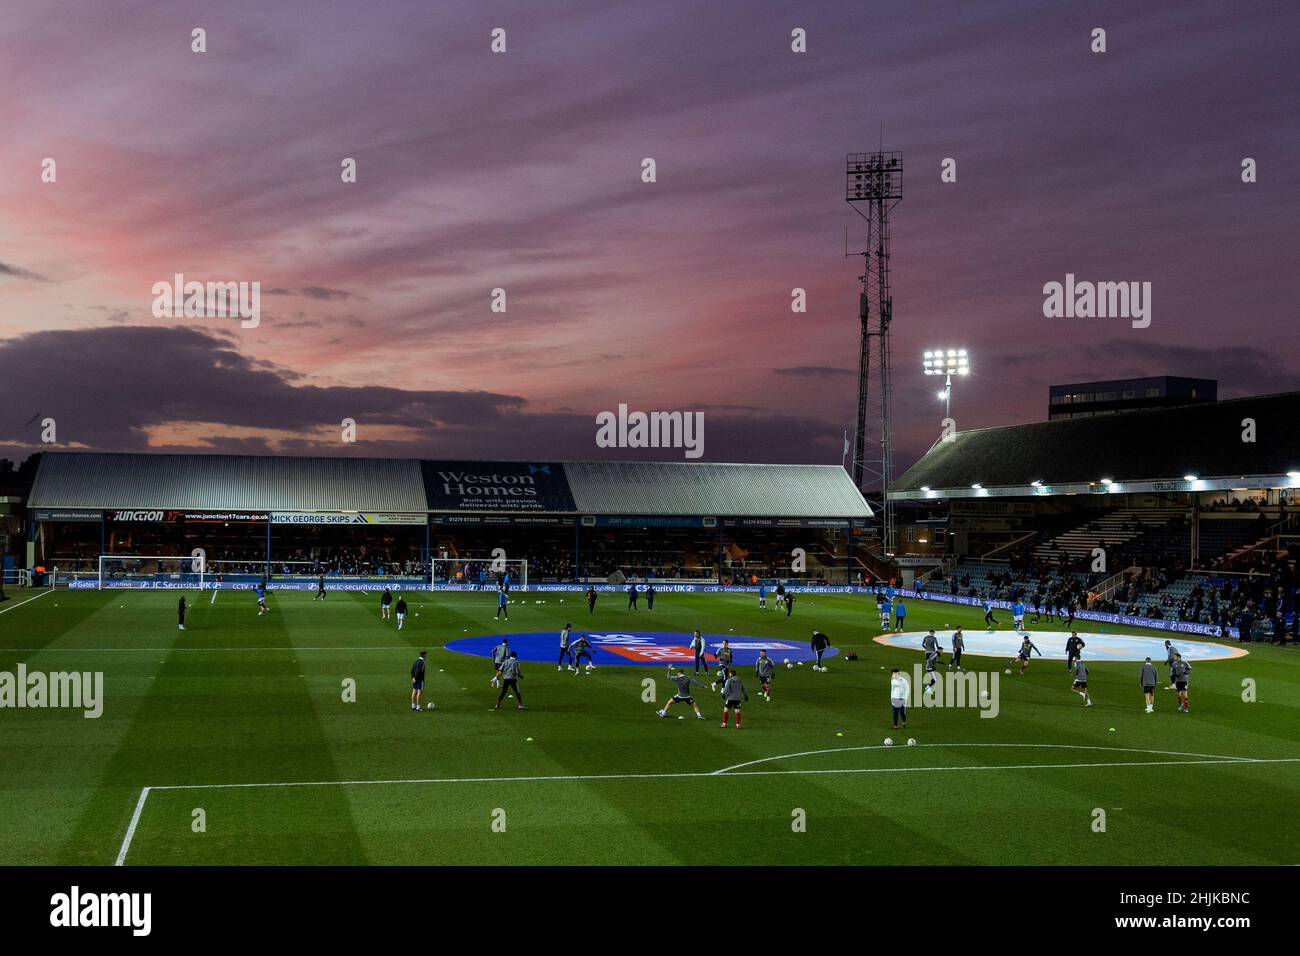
(144, 794)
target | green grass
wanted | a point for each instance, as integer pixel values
(242, 699)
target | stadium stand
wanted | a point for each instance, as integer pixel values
(379, 519)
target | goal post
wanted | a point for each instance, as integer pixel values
(152, 571)
(473, 573)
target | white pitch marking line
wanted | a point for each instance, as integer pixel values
(1132, 750)
(15, 607)
(1229, 761)
(130, 830)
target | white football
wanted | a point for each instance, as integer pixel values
(789, 665)
(889, 741)
(911, 741)
(1007, 671)
(786, 661)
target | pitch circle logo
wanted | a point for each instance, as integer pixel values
(637, 647)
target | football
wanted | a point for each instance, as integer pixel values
(889, 741)
(911, 741)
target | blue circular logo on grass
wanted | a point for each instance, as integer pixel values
(637, 647)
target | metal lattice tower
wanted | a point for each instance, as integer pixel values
(873, 187)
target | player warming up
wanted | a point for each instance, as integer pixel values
(401, 612)
(930, 644)
(501, 606)
(733, 692)
(1074, 647)
(1080, 685)
(385, 604)
(697, 648)
(820, 644)
(510, 675)
(1181, 672)
(1027, 647)
(764, 670)
(899, 691)
(958, 645)
(564, 649)
(582, 648)
(989, 619)
(1149, 678)
(725, 655)
(683, 695)
(320, 589)
(417, 680)
(500, 654)
(261, 599)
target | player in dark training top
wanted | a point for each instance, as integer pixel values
(401, 613)
(820, 643)
(180, 610)
(1027, 648)
(591, 600)
(417, 680)
(1074, 646)
(320, 589)
(385, 604)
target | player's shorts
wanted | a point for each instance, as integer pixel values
(1148, 688)
(261, 602)
(731, 705)
(401, 616)
(683, 700)
(417, 685)
(1081, 684)
(1023, 657)
(1180, 685)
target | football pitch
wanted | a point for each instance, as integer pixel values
(238, 742)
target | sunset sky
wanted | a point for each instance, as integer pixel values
(522, 170)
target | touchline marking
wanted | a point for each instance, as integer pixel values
(14, 607)
(1229, 761)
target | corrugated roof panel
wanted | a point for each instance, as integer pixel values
(251, 483)
(700, 488)
(227, 483)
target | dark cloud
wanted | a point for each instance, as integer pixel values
(15, 273)
(108, 387)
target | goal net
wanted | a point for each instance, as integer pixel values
(485, 573)
(152, 571)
